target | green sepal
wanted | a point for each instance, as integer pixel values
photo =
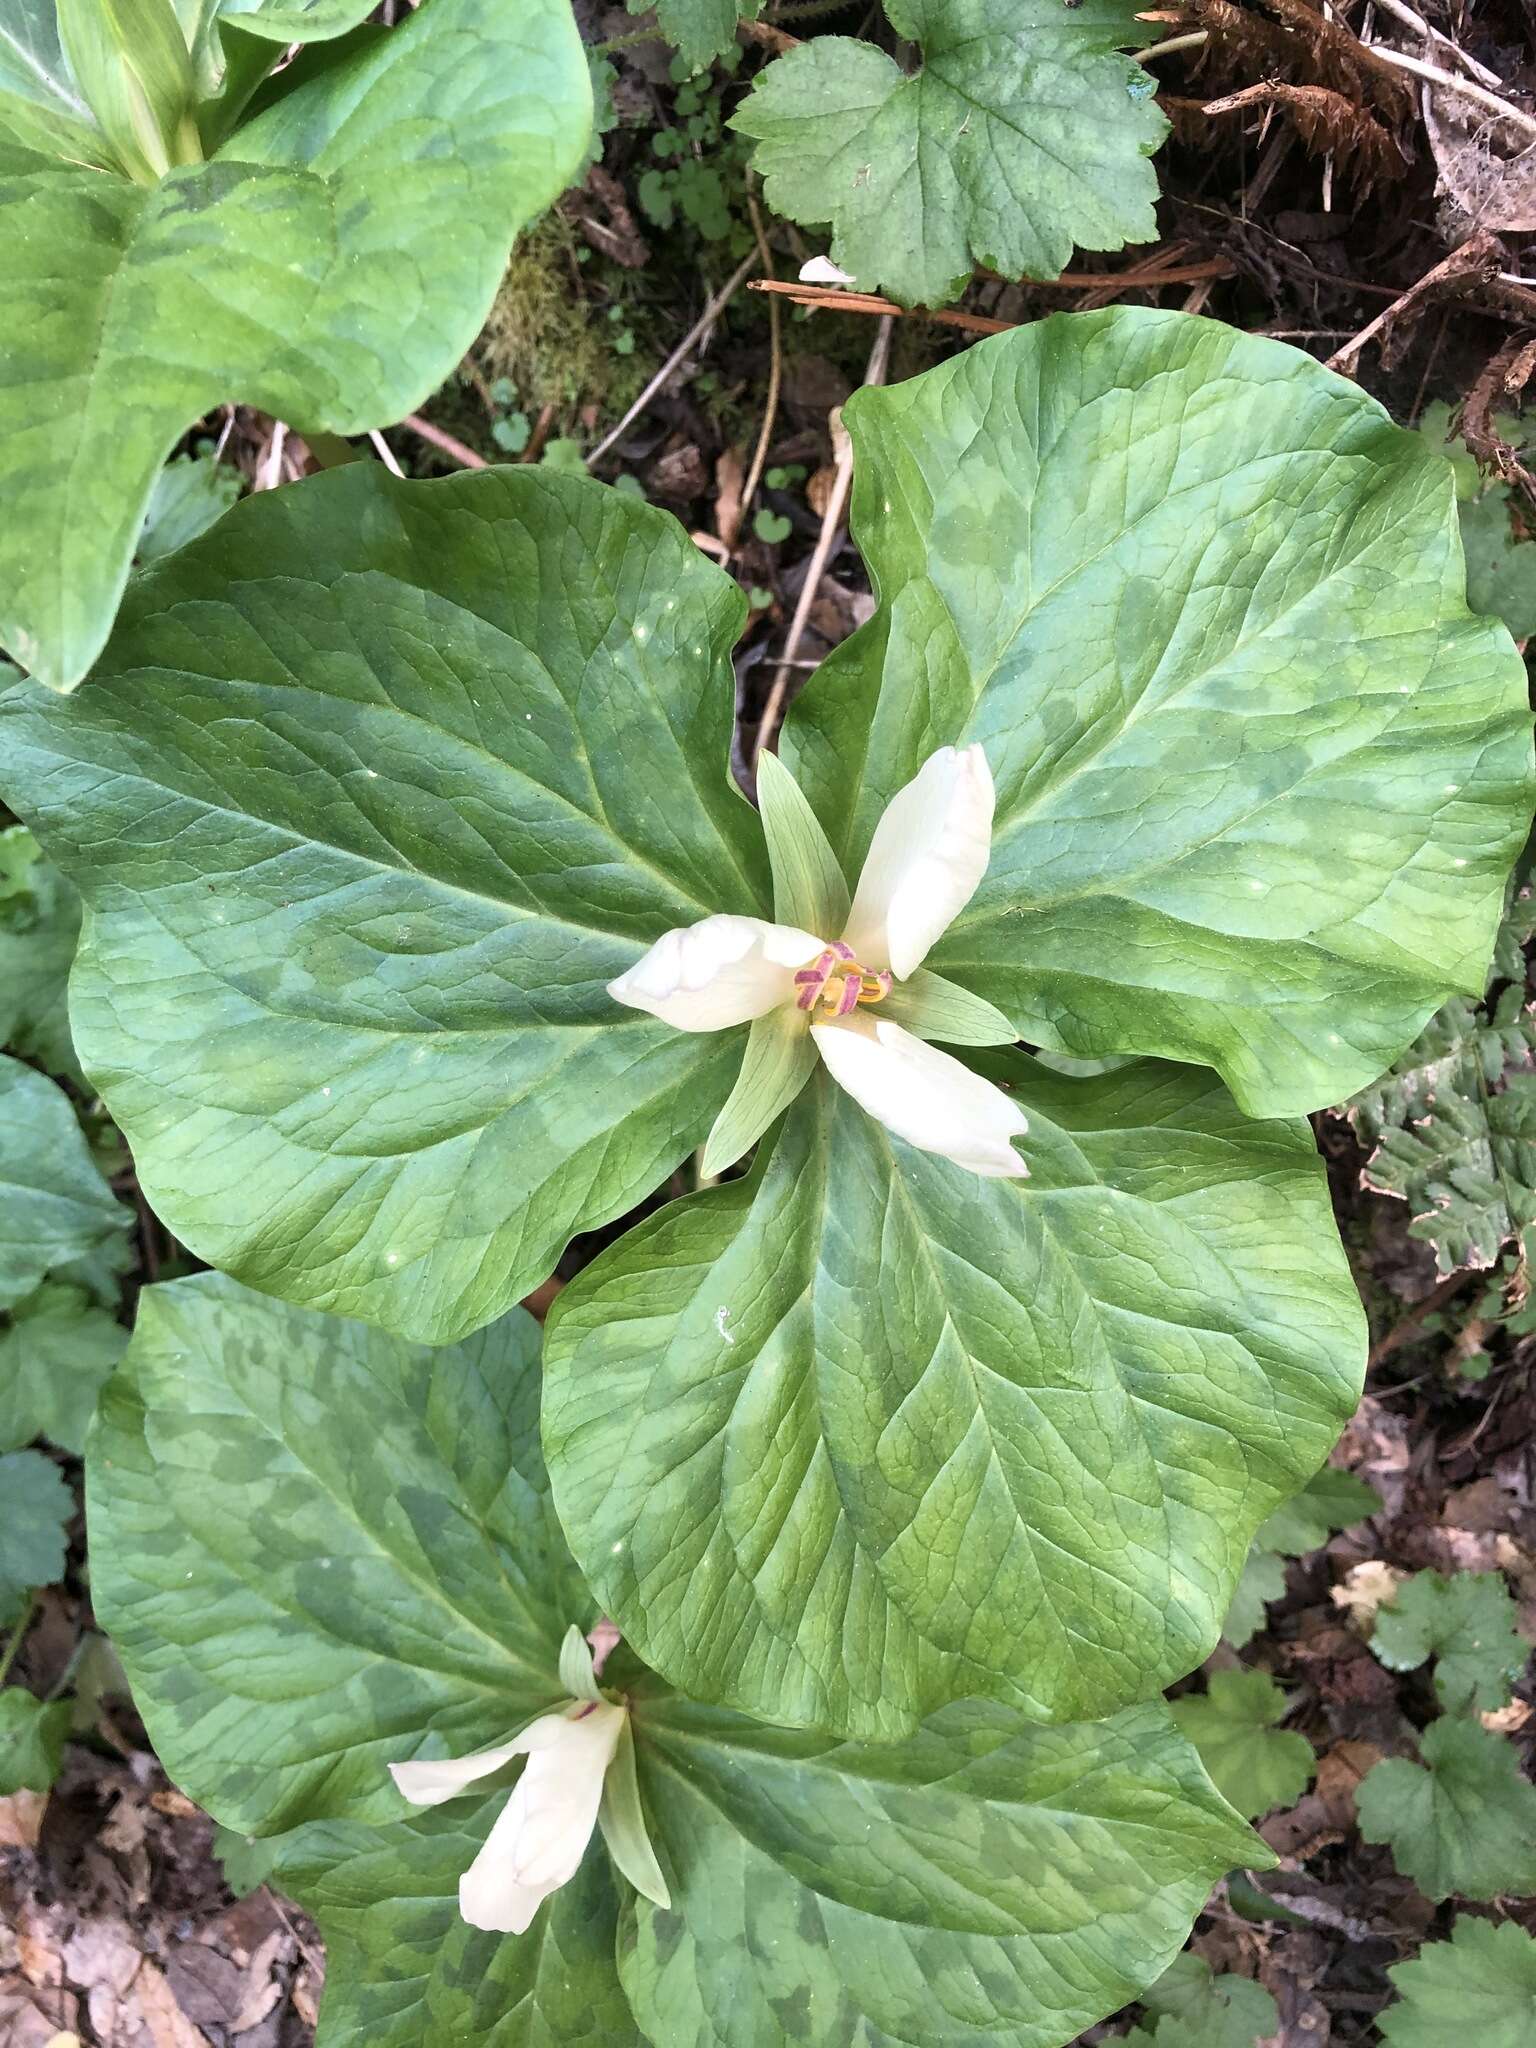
(776, 1065)
(809, 888)
(131, 61)
(622, 1820)
(930, 1007)
(576, 1667)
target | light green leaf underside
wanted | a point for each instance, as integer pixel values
(320, 1549)
(1478, 1986)
(1464, 1821)
(404, 1970)
(41, 106)
(1020, 132)
(1024, 1462)
(701, 29)
(360, 869)
(1260, 773)
(330, 265)
(54, 1204)
(186, 498)
(985, 1882)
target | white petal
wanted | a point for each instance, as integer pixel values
(718, 972)
(929, 852)
(542, 1832)
(923, 1095)
(822, 270)
(430, 1783)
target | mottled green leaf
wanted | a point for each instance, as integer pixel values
(188, 495)
(319, 1548)
(984, 1882)
(316, 1547)
(54, 1204)
(56, 1349)
(1252, 1763)
(39, 928)
(1467, 1624)
(345, 987)
(403, 1970)
(1452, 1125)
(32, 1737)
(1479, 1986)
(1020, 132)
(701, 29)
(869, 1433)
(1463, 1823)
(1501, 564)
(35, 1509)
(1261, 775)
(331, 264)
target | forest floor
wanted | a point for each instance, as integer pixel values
(124, 1929)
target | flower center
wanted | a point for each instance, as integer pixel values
(837, 982)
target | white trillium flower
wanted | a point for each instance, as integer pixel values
(925, 862)
(580, 1772)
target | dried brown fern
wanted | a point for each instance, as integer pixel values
(1326, 122)
(1293, 37)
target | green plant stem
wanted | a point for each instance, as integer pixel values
(1190, 42)
(18, 1636)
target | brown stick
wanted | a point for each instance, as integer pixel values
(834, 299)
(449, 443)
(1476, 260)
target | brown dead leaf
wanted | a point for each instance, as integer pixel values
(819, 489)
(159, 2014)
(1338, 1776)
(21, 1819)
(176, 1805)
(1364, 1588)
(24, 2024)
(305, 1995)
(1508, 1720)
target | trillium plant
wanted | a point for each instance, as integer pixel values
(771, 1650)
(804, 997)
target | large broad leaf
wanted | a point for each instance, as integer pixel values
(331, 265)
(403, 1970)
(41, 106)
(320, 1550)
(54, 1205)
(868, 1433)
(364, 852)
(313, 1544)
(1261, 775)
(1020, 133)
(984, 1882)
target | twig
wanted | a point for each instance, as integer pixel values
(837, 499)
(700, 327)
(385, 453)
(1477, 258)
(775, 364)
(1516, 116)
(834, 299)
(1192, 41)
(449, 443)
(1402, 1333)
(1407, 16)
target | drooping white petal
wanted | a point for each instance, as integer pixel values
(822, 270)
(429, 1783)
(541, 1834)
(929, 853)
(923, 1095)
(718, 972)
